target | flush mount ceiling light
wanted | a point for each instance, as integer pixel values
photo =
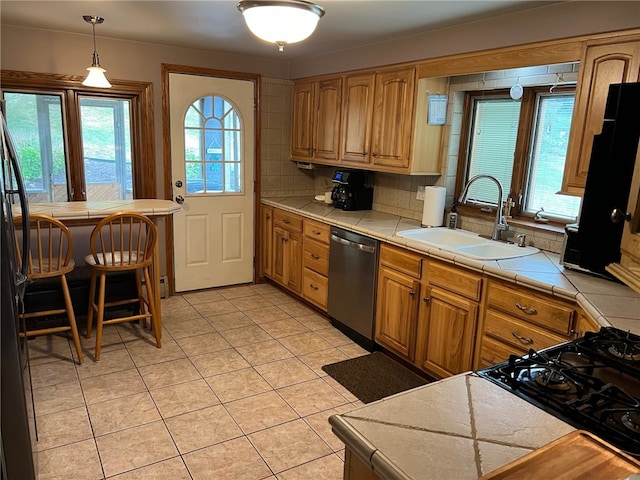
(281, 21)
(96, 77)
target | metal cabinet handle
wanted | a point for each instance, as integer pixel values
(268, 217)
(526, 340)
(315, 257)
(285, 239)
(412, 292)
(286, 220)
(527, 310)
(364, 154)
(316, 232)
(374, 154)
(426, 299)
(312, 286)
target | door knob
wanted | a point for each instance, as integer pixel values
(180, 199)
(618, 215)
(179, 183)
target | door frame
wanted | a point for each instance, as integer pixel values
(168, 68)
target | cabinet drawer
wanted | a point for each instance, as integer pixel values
(455, 280)
(401, 260)
(317, 231)
(314, 288)
(518, 333)
(316, 256)
(288, 221)
(494, 351)
(531, 307)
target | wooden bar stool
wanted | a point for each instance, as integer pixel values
(50, 256)
(121, 242)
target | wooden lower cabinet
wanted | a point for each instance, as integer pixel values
(396, 313)
(287, 258)
(266, 236)
(356, 469)
(446, 333)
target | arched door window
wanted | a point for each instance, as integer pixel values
(213, 147)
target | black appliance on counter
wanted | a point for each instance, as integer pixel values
(353, 190)
(16, 458)
(594, 242)
(592, 383)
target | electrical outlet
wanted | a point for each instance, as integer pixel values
(420, 194)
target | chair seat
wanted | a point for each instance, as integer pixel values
(115, 260)
(50, 268)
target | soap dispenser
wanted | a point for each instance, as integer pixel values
(453, 217)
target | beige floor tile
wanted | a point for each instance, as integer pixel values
(172, 469)
(265, 288)
(168, 373)
(110, 362)
(135, 447)
(114, 385)
(233, 460)
(238, 384)
(48, 348)
(62, 428)
(338, 387)
(295, 308)
(251, 303)
(57, 398)
(53, 373)
(304, 343)
(352, 351)
(325, 468)
(133, 332)
(231, 293)
(313, 321)
(183, 398)
(144, 354)
(219, 362)
(311, 397)
(289, 445)
(201, 344)
(202, 428)
(267, 315)
(317, 360)
(76, 461)
(204, 296)
(334, 336)
(285, 372)
(264, 352)
(227, 321)
(278, 296)
(111, 341)
(260, 411)
(245, 335)
(189, 327)
(284, 328)
(219, 307)
(171, 315)
(124, 412)
(319, 422)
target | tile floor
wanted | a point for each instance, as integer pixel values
(236, 392)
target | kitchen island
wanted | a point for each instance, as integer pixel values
(458, 428)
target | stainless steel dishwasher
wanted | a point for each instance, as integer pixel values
(353, 260)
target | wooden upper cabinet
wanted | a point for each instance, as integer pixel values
(357, 112)
(393, 118)
(315, 120)
(601, 65)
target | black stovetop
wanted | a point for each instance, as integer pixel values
(592, 383)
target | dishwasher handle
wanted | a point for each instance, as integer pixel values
(349, 243)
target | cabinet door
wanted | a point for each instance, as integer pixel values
(293, 248)
(302, 117)
(266, 236)
(280, 237)
(446, 335)
(396, 313)
(600, 66)
(326, 141)
(357, 111)
(392, 118)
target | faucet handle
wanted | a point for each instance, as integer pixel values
(522, 238)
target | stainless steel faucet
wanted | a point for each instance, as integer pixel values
(500, 223)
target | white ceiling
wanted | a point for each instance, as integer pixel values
(218, 26)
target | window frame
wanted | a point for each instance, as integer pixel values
(522, 151)
(70, 87)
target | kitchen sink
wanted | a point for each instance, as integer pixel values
(465, 243)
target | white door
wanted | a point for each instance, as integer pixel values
(212, 163)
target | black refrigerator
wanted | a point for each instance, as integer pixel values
(15, 442)
(594, 242)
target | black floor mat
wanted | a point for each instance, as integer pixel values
(372, 377)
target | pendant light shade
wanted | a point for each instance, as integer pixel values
(95, 77)
(281, 21)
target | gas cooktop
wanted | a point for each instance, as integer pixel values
(592, 383)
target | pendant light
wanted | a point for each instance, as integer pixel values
(96, 77)
(281, 21)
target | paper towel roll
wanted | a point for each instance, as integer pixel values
(433, 210)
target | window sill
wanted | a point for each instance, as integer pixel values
(551, 227)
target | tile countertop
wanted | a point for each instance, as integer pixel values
(606, 302)
(96, 209)
(411, 436)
